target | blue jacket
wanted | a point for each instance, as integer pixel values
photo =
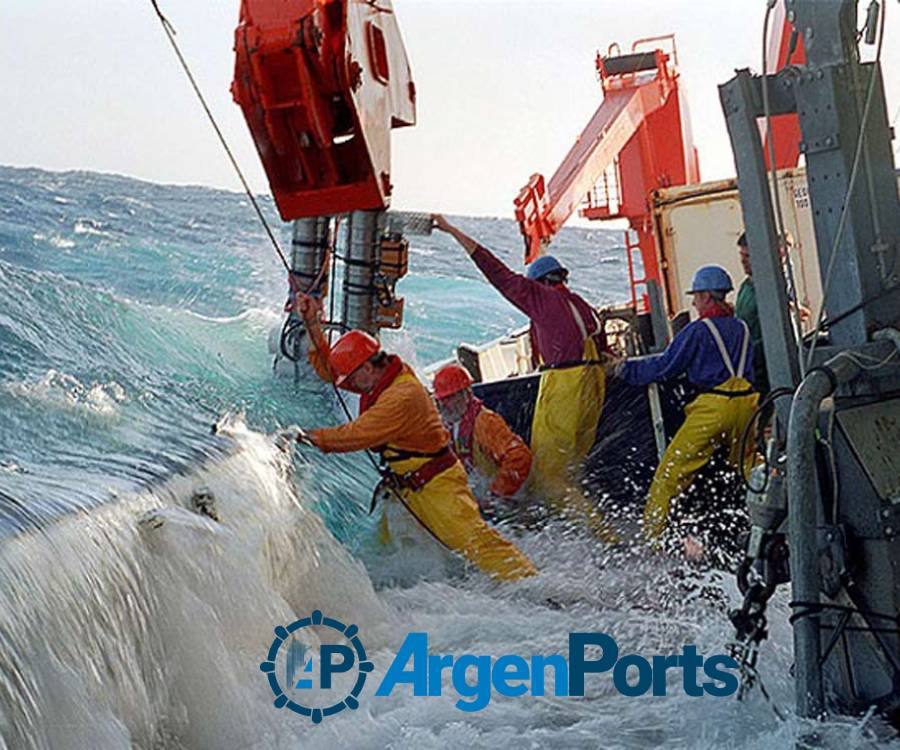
(693, 352)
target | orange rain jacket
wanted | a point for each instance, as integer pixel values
(490, 446)
(403, 416)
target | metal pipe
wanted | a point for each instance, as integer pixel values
(309, 246)
(362, 256)
(888, 334)
(803, 506)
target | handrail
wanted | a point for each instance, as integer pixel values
(660, 38)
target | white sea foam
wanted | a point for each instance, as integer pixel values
(259, 318)
(61, 390)
(63, 243)
(143, 625)
(89, 227)
(11, 467)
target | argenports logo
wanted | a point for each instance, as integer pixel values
(317, 685)
(326, 678)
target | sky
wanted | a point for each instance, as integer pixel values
(504, 87)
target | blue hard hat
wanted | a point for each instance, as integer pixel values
(711, 279)
(542, 266)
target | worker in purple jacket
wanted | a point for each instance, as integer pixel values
(567, 342)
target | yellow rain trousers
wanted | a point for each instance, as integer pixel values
(711, 421)
(563, 430)
(447, 509)
(403, 419)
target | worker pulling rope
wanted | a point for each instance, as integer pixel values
(294, 286)
(292, 279)
(470, 535)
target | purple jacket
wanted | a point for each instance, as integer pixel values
(555, 332)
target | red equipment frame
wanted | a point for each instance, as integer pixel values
(321, 83)
(785, 128)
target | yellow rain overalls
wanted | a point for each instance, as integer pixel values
(714, 419)
(402, 423)
(564, 428)
(570, 395)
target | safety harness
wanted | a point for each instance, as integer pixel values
(726, 359)
(441, 460)
(415, 480)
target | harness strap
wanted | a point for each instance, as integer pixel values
(398, 454)
(731, 394)
(723, 351)
(464, 433)
(416, 480)
(579, 321)
(572, 363)
(745, 347)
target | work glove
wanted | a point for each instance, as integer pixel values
(306, 307)
(287, 436)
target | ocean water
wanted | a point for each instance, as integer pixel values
(134, 316)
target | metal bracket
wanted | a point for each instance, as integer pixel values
(818, 145)
(889, 518)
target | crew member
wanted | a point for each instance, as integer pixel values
(483, 441)
(745, 309)
(568, 339)
(716, 354)
(399, 419)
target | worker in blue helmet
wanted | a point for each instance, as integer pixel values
(715, 353)
(568, 346)
(544, 265)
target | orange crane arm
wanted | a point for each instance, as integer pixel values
(541, 211)
(641, 126)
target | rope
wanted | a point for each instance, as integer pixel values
(770, 398)
(170, 33)
(814, 609)
(750, 676)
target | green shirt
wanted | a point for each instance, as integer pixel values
(745, 309)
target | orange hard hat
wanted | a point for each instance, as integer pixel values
(350, 352)
(451, 379)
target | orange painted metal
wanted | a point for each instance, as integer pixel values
(641, 132)
(321, 83)
(786, 135)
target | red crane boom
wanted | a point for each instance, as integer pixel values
(640, 133)
(643, 130)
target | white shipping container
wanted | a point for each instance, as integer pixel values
(700, 224)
